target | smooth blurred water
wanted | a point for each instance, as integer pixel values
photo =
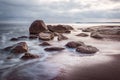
(8, 31)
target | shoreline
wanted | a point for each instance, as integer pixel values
(75, 65)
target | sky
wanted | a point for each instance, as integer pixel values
(60, 10)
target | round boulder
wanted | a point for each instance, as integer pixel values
(37, 27)
(60, 28)
(19, 48)
(87, 49)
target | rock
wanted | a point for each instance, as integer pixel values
(33, 37)
(7, 48)
(74, 44)
(9, 57)
(87, 49)
(14, 39)
(19, 48)
(62, 37)
(88, 30)
(96, 35)
(27, 56)
(37, 27)
(54, 49)
(46, 36)
(82, 35)
(45, 44)
(21, 37)
(60, 28)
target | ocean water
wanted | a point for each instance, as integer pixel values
(39, 71)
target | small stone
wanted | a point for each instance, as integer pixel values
(45, 44)
(54, 49)
(74, 44)
(82, 35)
(27, 56)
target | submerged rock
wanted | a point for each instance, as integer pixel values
(33, 36)
(74, 44)
(22, 37)
(45, 44)
(29, 56)
(62, 37)
(60, 28)
(19, 48)
(46, 36)
(14, 39)
(82, 35)
(37, 27)
(87, 49)
(54, 49)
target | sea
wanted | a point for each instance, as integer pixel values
(42, 69)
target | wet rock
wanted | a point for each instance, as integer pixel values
(46, 36)
(14, 39)
(60, 28)
(87, 49)
(96, 35)
(82, 35)
(22, 37)
(74, 44)
(7, 48)
(33, 36)
(45, 44)
(19, 48)
(27, 56)
(37, 27)
(62, 37)
(54, 49)
(9, 57)
(88, 30)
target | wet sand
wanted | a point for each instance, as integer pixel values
(92, 68)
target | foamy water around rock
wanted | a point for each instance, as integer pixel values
(50, 64)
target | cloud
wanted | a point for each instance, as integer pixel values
(59, 10)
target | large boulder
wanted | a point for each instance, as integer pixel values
(46, 36)
(54, 49)
(60, 28)
(27, 56)
(62, 37)
(87, 49)
(37, 27)
(74, 44)
(19, 48)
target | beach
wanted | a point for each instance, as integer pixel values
(66, 64)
